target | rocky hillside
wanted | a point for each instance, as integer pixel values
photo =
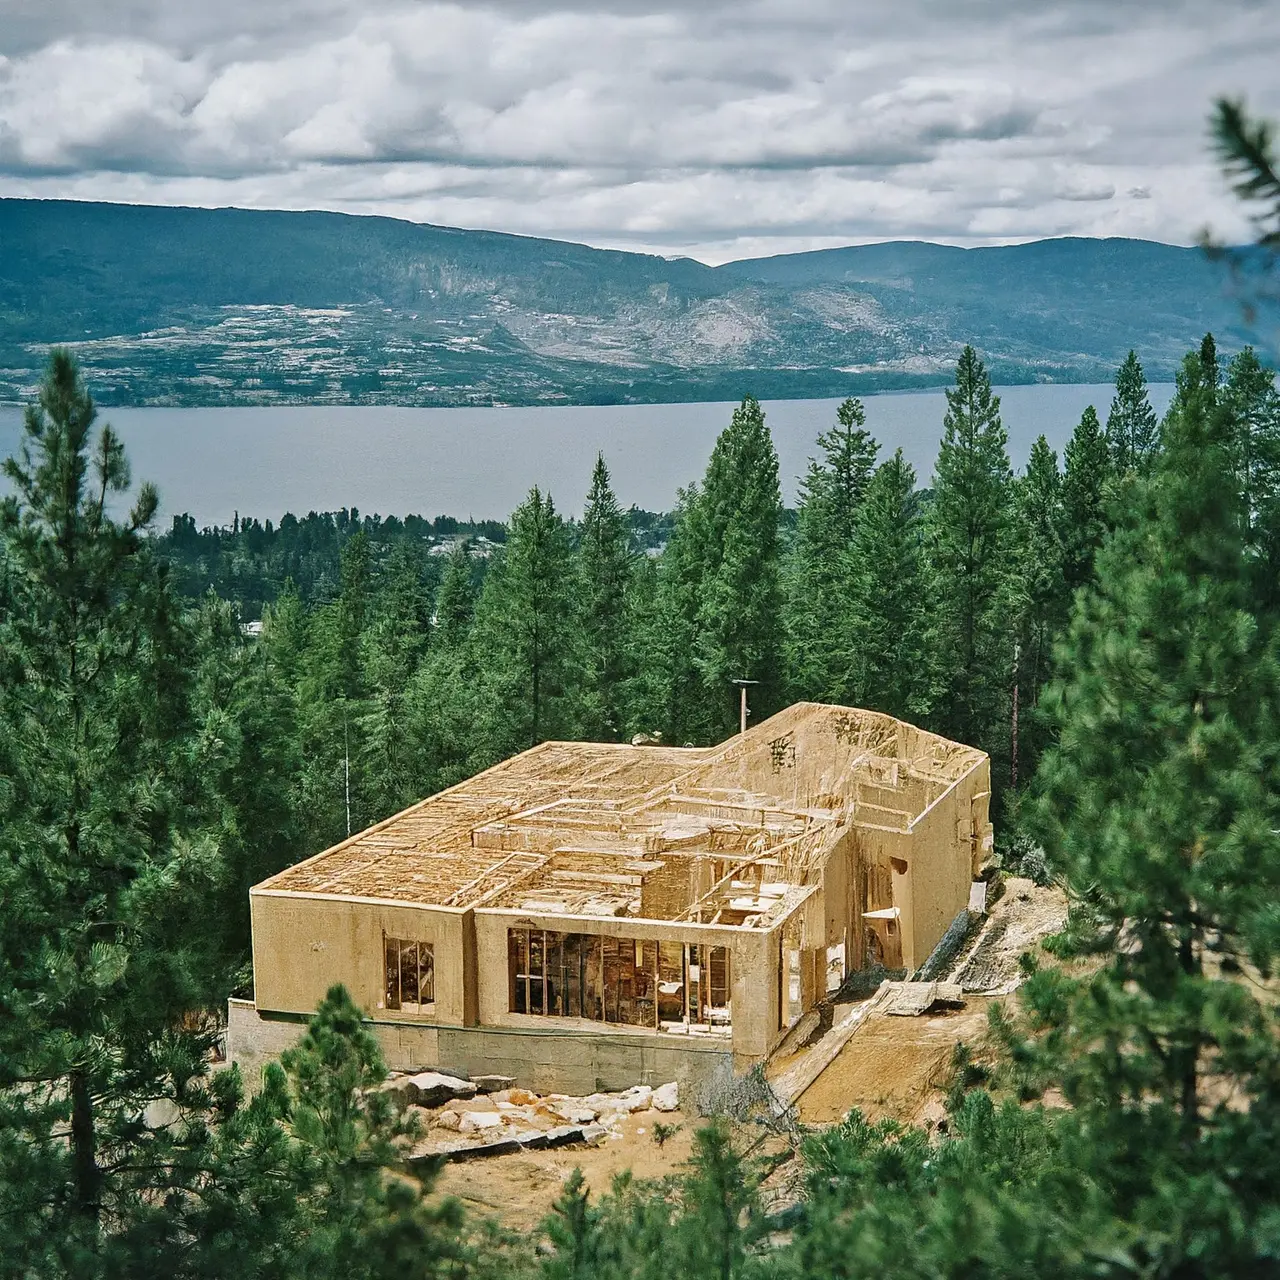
(233, 306)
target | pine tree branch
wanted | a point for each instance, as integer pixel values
(1246, 151)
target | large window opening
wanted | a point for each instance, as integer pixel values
(410, 985)
(667, 986)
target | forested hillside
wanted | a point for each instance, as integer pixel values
(237, 306)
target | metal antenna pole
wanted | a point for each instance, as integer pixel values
(743, 685)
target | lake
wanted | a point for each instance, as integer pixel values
(481, 462)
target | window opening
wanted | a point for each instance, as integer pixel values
(662, 985)
(409, 978)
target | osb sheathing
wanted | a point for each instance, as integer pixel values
(856, 810)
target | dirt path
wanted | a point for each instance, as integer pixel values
(890, 1065)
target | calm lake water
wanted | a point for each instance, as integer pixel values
(481, 462)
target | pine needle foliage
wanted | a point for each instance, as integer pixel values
(968, 542)
(605, 565)
(1159, 800)
(820, 586)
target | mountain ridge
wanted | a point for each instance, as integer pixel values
(186, 305)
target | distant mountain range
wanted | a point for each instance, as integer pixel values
(235, 306)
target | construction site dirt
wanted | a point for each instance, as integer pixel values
(869, 1058)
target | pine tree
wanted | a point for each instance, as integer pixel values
(885, 619)
(402, 607)
(1039, 597)
(645, 693)
(604, 572)
(353, 613)
(721, 1218)
(573, 1229)
(105, 872)
(968, 547)
(739, 613)
(330, 699)
(363, 1224)
(391, 650)
(819, 587)
(679, 706)
(1085, 488)
(525, 627)
(1160, 808)
(1133, 431)
(456, 597)
(248, 761)
(1254, 407)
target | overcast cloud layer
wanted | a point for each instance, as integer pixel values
(720, 130)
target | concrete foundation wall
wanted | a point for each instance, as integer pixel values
(584, 1062)
(546, 1061)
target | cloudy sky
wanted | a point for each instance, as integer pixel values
(715, 129)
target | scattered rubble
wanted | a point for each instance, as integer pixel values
(428, 1089)
(511, 1119)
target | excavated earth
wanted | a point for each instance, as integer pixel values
(869, 1056)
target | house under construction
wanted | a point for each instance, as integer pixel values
(589, 916)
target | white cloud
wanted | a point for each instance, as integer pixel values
(705, 128)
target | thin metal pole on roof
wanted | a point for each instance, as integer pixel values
(742, 686)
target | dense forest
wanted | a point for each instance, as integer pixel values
(1107, 627)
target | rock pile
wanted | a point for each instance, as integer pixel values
(461, 1121)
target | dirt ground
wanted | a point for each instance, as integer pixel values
(519, 1189)
(890, 1067)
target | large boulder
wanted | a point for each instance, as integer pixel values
(667, 1097)
(434, 1088)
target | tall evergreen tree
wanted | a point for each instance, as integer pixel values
(604, 571)
(1085, 487)
(247, 737)
(1039, 597)
(674, 702)
(353, 613)
(456, 597)
(526, 628)
(884, 659)
(1133, 431)
(644, 693)
(1254, 408)
(818, 582)
(392, 645)
(968, 547)
(105, 872)
(1161, 807)
(362, 1224)
(739, 614)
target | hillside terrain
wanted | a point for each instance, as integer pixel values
(233, 306)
